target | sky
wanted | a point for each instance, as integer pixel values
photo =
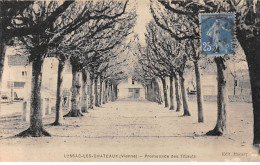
(144, 16)
(142, 19)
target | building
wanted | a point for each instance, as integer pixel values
(131, 89)
(17, 77)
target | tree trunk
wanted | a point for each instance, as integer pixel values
(235, 86)
(184, 95)
(199, 93)
(254, 72)
(91, 98)
(75, 96)
(59, 113)
(2, 59)
(156, 92)
(114, 92)
(171, 93)
(251, 48)
(241, 86)
(36, 126)
(222, 99)
(146, 92)
(110, 91)
(166, 104)
(84, 108)
(105, 93)
(177, 93)
(100, 90)
(96, 91)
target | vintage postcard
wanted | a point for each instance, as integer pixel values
(130, 81)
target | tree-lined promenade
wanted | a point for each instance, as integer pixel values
(133, 127)
(83, 32)
(93, 35)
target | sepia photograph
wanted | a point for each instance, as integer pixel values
(130, 81)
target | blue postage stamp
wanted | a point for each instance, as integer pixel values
(217, 33)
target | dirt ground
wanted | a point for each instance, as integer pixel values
(134, 130)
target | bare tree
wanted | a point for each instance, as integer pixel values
(184, 29)
(235, 66)
(37, 46)
(194, 55)
(170, 56)
(39, 43)
(14, 25)
(183, 18)
(221, 98)
(59, 115)
(155, 60)
(233, 73)
(93, 37)
(182, 65)
(247, 34)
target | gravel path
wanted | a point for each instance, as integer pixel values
(134, 130)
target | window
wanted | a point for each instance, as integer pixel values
(130, 89)
(18, 84)
(24, 74)
(133, 82)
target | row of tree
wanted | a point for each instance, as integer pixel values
(172, 39)
(87, 34)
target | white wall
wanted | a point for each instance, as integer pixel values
(124, 89)
(14, 73)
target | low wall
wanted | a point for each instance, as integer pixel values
(240, 98)
(232, 98)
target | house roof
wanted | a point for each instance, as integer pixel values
(17, 60)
